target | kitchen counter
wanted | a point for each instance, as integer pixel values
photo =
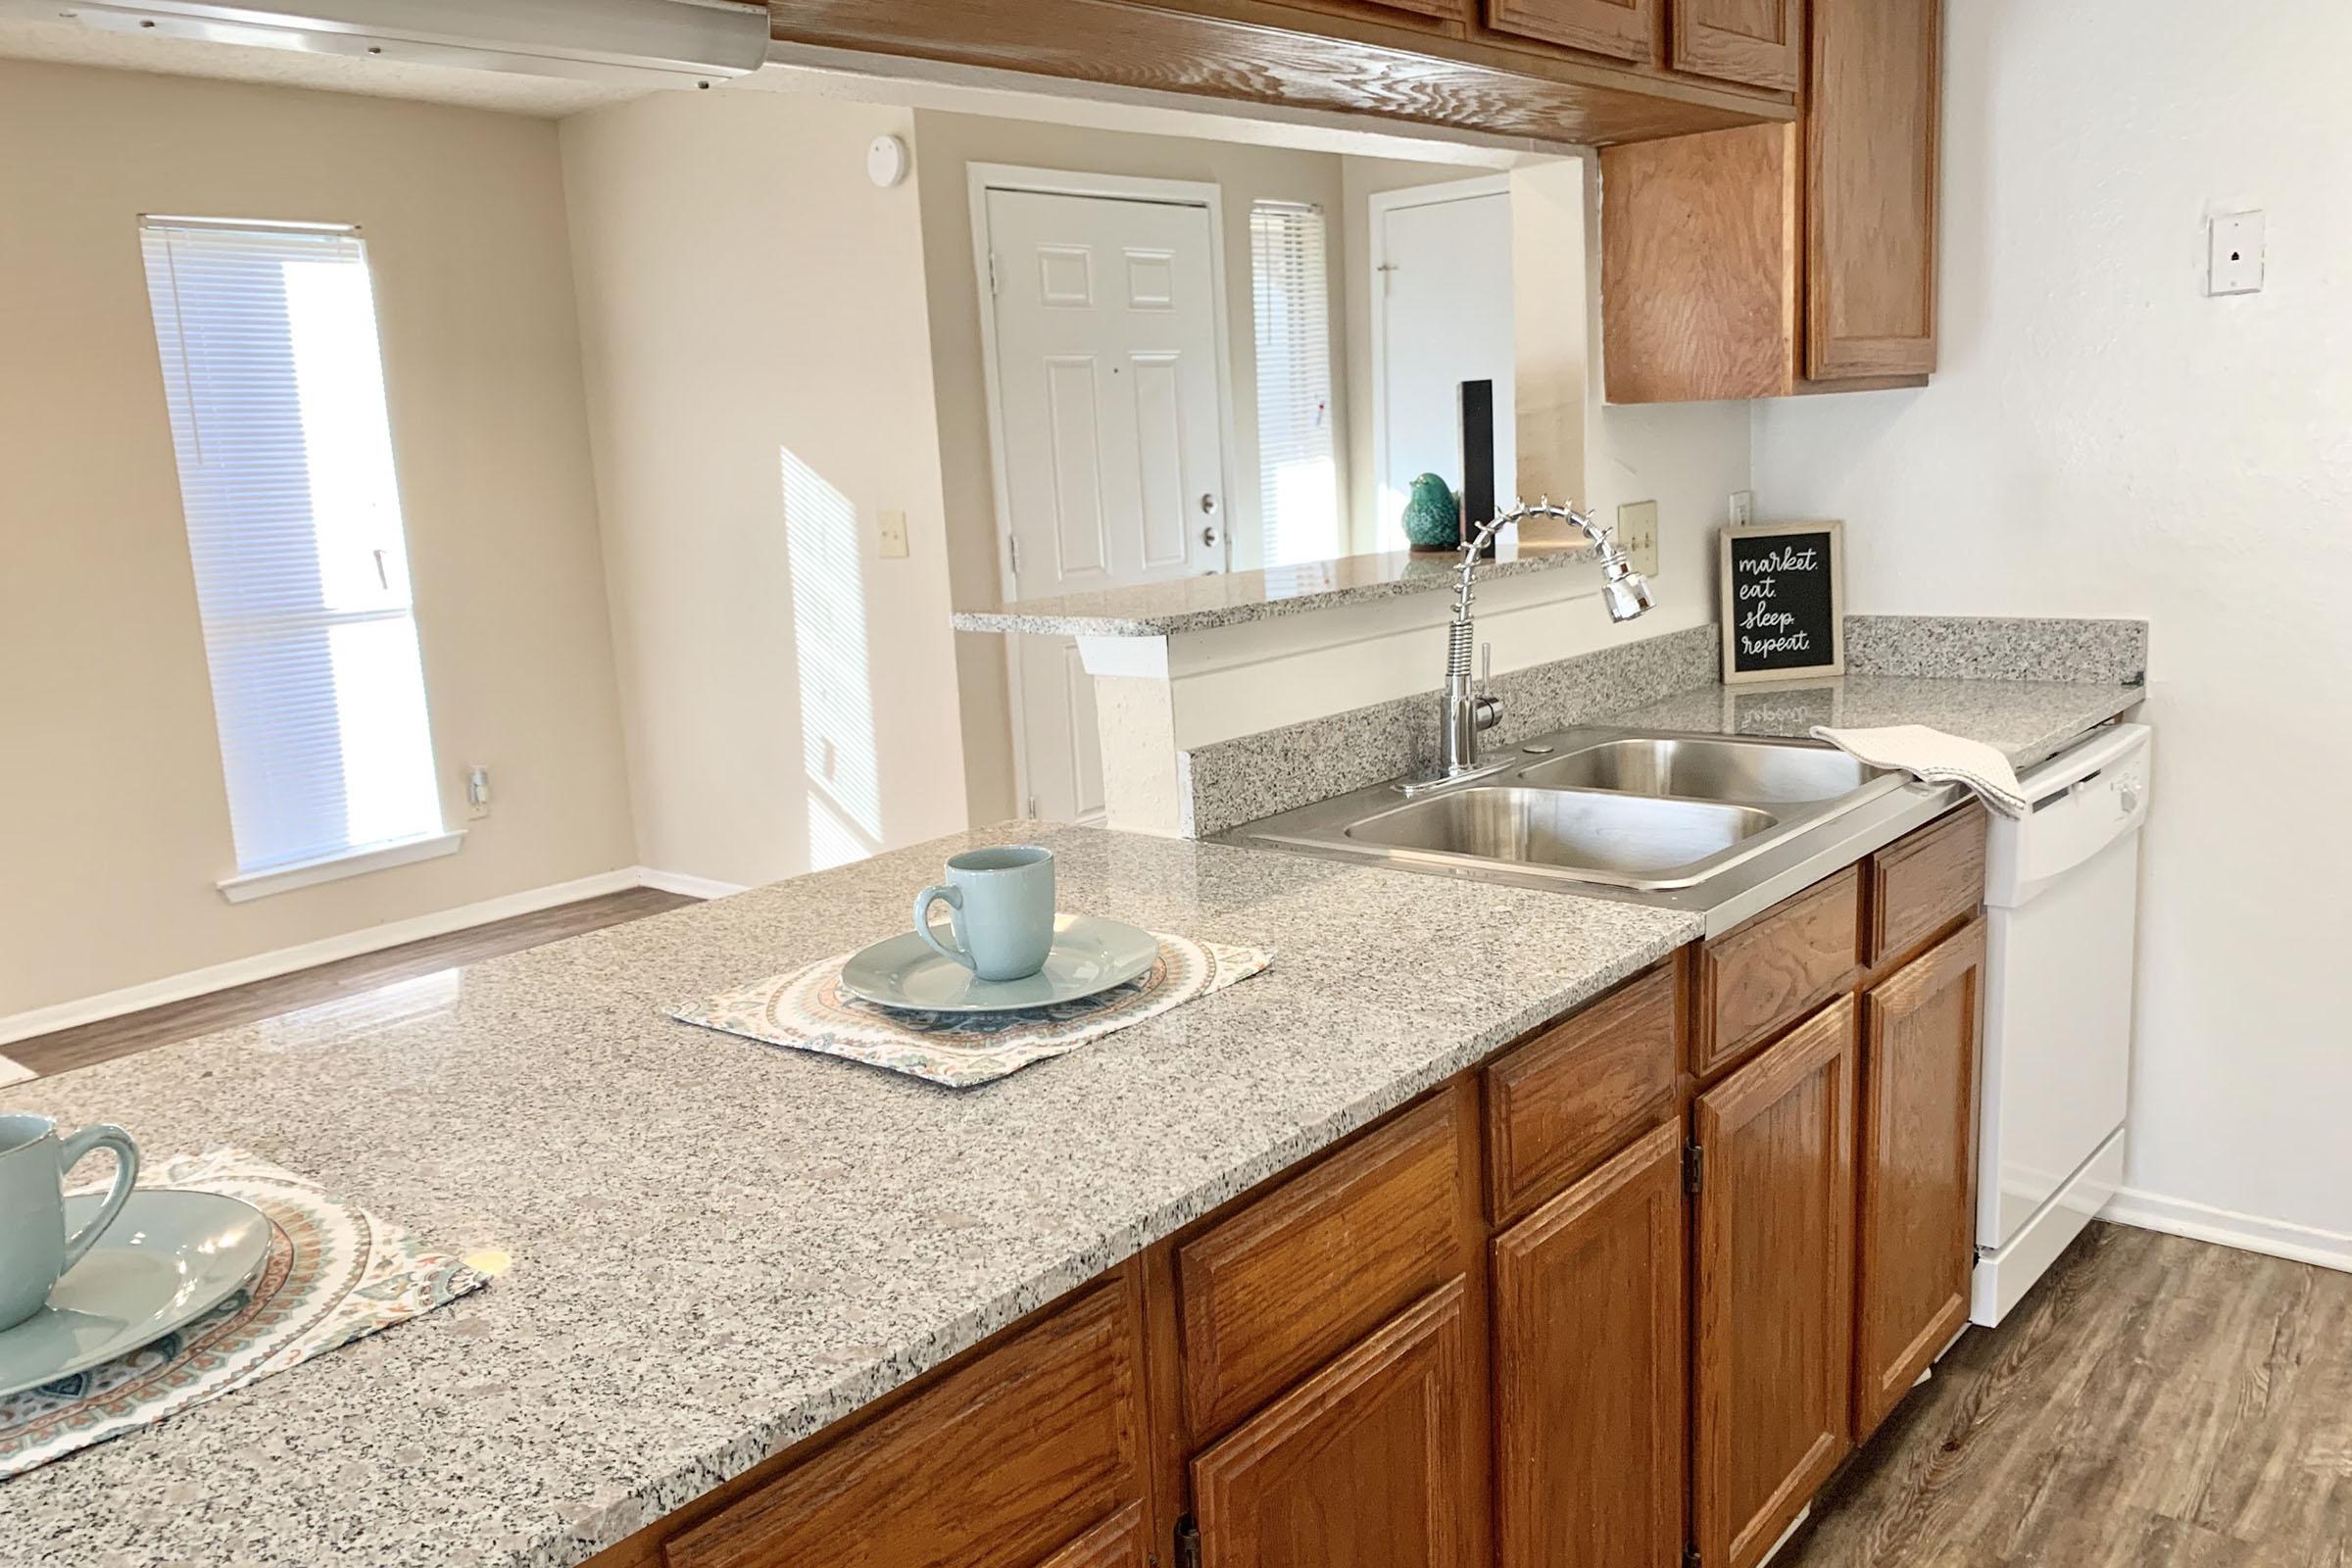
(2026, 720)
(1232, 598)
(718, 1247)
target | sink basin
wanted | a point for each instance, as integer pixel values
(1705, 770)
(1592, 833)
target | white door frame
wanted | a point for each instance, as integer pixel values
(979, 181)
(1377, 206)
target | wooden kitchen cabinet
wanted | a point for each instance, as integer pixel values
(1589, 1345)
(1622, 29)
(1915, 1241)
(1758, 42)
(1373, 1462)
(1766, 260)
(1773, 1287)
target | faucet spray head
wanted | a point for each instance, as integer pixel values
(1624, 590)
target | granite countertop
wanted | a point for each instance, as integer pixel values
(1228, 599)
(718, 1247)
(2027, 720)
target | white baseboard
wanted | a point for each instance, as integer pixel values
(285, 961)
(2248, 1233)
(693, 887)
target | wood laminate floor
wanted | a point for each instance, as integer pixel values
(2156, 1403)
(343, 980)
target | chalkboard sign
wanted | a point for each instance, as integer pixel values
(1784, 601)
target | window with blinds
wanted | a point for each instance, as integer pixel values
(275, 386)
(1298, 482)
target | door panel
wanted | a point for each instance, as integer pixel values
(1916, 1243)
(1774, 1285)
(1104, 345)
(1759, 42)
(1370, 1463)
(1870, 170)
(1623, 30)
(1589, 1353)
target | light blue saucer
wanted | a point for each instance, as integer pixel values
(169, 1258)
(1090, 957)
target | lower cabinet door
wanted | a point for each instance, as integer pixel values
(1371, 1463)
(1917, 1240)
(1590, 1341)
(1117, 1542)
(1775, 1286)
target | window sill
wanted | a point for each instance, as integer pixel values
(332, 868)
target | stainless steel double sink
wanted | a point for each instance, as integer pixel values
(1723, 825)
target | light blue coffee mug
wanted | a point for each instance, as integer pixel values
(34, 1250)
(1004, 904)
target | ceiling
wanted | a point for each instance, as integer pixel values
(69, 44)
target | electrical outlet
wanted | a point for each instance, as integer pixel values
(893, 535)
(1638, 535)
(477, 793)
(2233, 265)
(1743, 507)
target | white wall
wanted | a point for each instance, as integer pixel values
(2104, 439)
(110, 767)
(759, 391)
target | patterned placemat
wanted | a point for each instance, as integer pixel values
(806, 1009)
(335, 1274)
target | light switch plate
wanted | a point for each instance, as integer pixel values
(892, 534)
(2234, 264)
(1638, 535)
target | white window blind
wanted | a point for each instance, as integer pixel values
(1297, 483)
(275, 386)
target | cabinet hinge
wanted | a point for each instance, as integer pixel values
(994, 284)
(1013, 548)
(1694, 1177)
(1188, 1543)
(1689, 1557)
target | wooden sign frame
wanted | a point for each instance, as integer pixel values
(1727, 602)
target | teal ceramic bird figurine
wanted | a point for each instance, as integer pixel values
(1433, 518)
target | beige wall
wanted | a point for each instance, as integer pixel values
(945, 144)
(110, 770)
(760, 388)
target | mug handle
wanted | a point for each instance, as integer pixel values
(922, 922)
(71, 1151)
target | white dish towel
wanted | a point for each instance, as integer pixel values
(1938, 758)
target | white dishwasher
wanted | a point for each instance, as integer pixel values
(2062, 889)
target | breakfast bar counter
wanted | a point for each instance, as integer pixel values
(717, 1247)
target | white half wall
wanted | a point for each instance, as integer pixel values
(2104, 439)
(759, 393)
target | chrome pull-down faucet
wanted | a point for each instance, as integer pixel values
(1464, 712)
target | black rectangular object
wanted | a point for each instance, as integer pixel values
(1477, 399)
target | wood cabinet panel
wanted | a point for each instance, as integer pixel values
(1589, 1345)
(1915, 1242)
(1117, 1542)
(1763, 975)
(1560, 1103)
(1925, 881)
(1698, 266)
(1450, 14)
(1305, 1271)
(1871, 147)
(1372, 1462)
(995, 1466)
(1759, 42)
(1623, 30)
(1774, 1286)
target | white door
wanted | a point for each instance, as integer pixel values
(1443, 294)
(1105, 367)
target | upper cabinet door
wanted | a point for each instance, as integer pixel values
(1775, 1286)
(1759, 42)
(1448, 17)
(1917, 1211)
(1623, 30)
(1870, 181)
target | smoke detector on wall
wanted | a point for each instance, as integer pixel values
(674, 43)
(886, 160)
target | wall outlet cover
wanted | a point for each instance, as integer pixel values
(2234, 263)
(1742, 511)
(891, 535)
(1638, 535)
